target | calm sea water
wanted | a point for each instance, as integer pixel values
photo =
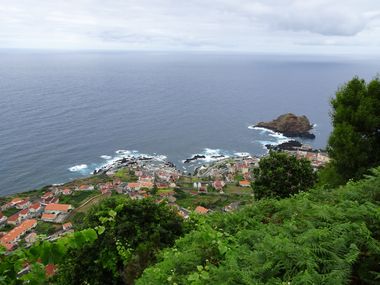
(62, 114)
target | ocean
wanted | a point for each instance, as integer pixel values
(64, 114)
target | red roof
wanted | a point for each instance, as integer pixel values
(58, 207)
(24, 212)
(146, 184)
(14, 217)
(16, 200)
(35, 206)
(48, 216)
(201, 210)
(47, 195)
(133, 185)
(84, 187)
(50, 269)
(11, 236)
(67, 225)
(244, 183)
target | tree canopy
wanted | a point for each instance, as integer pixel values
(354, 144)
(132, 232)
(280, 175)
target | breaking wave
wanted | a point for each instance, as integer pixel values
(112, 159)
(210, 155)
(78, 168)
(270, 137)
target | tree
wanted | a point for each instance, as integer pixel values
(280, 175)
(354, 144)
(130, 235)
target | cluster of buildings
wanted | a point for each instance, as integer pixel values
(26, 208)
(45, 208)
(317, 158)
(149, 176)
(231, 170)
(11, 239)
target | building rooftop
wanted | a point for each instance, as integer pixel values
(15, 233)
(58, 207)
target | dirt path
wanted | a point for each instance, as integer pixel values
(87, 204)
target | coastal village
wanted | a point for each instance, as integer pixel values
(53, 211)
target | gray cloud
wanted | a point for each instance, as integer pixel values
(241, 25)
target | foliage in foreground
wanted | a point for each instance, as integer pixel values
(325, 236)
(119, 239)
(132, 232)
(38, 256)
(280, 175)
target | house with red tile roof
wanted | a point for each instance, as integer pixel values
(66, 192)
(35, 208)
(147, 184)
(24, 214)
(162, 185)
(13, 236)
(15, 201)
(23, 204)
(47, 195)
(244, 183)
(85, 187)
(58, 208)
(146, 178)
(67, 226)
(218, 184)
(104, 191)
(49, 217)
(133, 186)
(50, 200)
(50, 270)
(201, 210)
(15, 219)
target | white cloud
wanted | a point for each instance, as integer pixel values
(241, 25)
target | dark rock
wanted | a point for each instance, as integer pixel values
(217, 156)
(195, 157)
(290, 145)
(290, 125)
(145, 158)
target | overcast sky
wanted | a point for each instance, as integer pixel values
(316, 26)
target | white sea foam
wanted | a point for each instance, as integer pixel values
(123, 152)
(242, 154)
(211, 155)
(278, 137)
(261, 129)
(78, 168)
(112, 160)
(161, 157)
(106, 157)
